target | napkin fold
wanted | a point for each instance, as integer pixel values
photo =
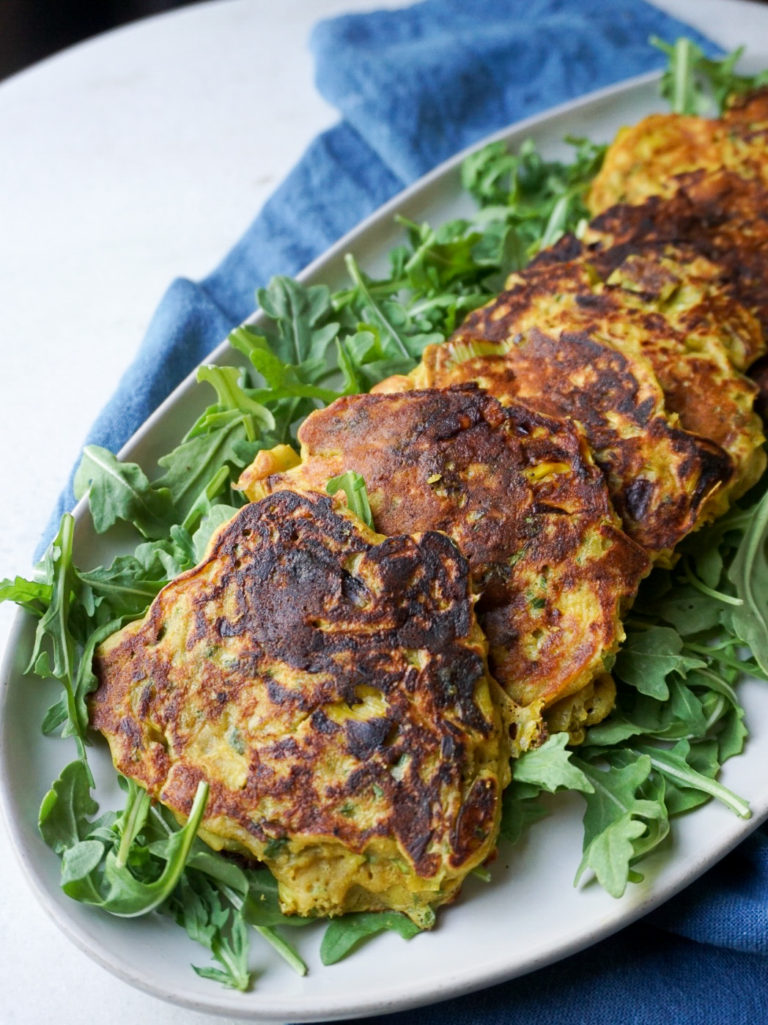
(414, 86)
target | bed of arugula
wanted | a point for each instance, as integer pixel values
(692, 633)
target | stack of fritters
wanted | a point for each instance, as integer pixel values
(643, 364)
(353, 697)
(518, 493)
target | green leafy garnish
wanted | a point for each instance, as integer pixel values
(121, 491)
(748, 573)
(95, 867)
(648, 658)
(353, 486)
(343, 935)
(696, 84)
(621, 822)
(536, 200)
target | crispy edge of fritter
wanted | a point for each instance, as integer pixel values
(643, 157)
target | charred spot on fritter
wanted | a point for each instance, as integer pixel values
(331, 686)
(659, 476)
(519, 494)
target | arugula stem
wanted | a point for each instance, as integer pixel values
(284, 949)
(716, 713)
(682, 69)
(129, 898)
(688, 777)
(727, 599)
(720, 686)
(134, 817)
(55, 622)
(715, 653)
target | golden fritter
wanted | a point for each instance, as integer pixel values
(331, 686)
(659, 476)
(687, 329)
(720, 216)
(518, 493)
(646, 158)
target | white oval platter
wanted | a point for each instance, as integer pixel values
(529, 915)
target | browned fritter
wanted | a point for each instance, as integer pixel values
(747, 114)
(720, 216)
(331, 686)
(688, 329)
(659, 476)
(645, 159)
(518, 493)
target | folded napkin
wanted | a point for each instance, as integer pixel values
(414, 86)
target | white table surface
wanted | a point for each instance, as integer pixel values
(126, 161)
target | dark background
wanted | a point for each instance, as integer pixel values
(33, 29)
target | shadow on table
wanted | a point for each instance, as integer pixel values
(32, 31)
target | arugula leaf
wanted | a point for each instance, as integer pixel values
(300, 328)
(550, 767)
(68, 808)
(689, 610)
(216, 517)
(54, 628)
(98, 873)
(617, 817)
(649, 657)
(124, 587)
(222, 441)
(673, 764)
(539, 200)
(121, 491)
(32, 595)
(199, 908)
(399, 330)
(345, 934)
(521, 808)
(353, 486)
(748, 573)
(284, 380)
(545, 769)
(233, 398)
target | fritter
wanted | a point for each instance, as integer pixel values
(685, 326)
(331, 686)
(518, 493)
(645, 159)
(720, 216)
(660, 477)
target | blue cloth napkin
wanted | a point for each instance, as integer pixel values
(413, 87)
